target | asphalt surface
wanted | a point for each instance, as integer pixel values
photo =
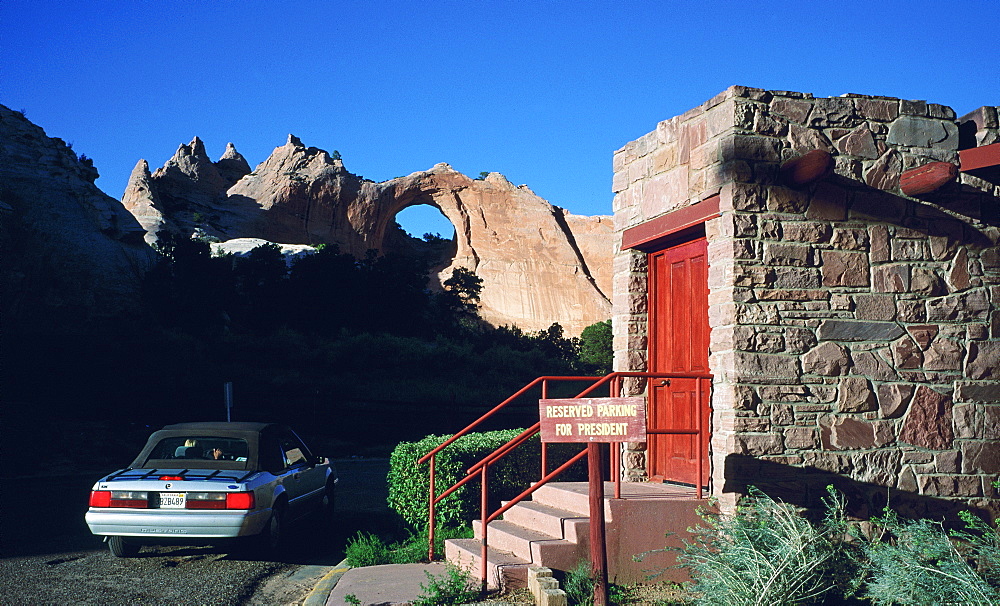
(50, 557)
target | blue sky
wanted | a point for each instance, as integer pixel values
(541, 91)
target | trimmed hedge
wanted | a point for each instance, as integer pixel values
(409, 482)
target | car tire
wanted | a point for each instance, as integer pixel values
(272, 538)
(121, 548)
(327, 509)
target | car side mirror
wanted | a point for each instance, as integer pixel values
(320, 460)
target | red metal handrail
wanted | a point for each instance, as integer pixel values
(481, 468)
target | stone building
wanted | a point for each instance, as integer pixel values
(834, 264)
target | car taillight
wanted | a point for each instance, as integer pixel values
(100, 498)
(219, 500)
(119, 498)
(206, 500)
(171, 478)
(239, 500)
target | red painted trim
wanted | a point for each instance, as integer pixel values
(673, 222)
(980, 157)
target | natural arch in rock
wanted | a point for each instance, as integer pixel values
(539, 264)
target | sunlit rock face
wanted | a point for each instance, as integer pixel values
(539, 264)
(72, 255)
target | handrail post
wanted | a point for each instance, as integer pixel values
(616, 447)
(698, 438)
(484, 513)
(430, 511)
(544, 448)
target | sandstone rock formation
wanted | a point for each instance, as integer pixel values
(72, 254)
(539, 263)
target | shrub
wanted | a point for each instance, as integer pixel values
(915, 562)
(768, 554)
(409, 483)
(579, 584)
(366, 549)
(455, 586)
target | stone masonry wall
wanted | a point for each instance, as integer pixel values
(855, 331)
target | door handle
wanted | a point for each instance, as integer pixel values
(664, 382)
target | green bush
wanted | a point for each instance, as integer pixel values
(579, 584)
(453, 587)
(408, 482)
(769, 554)
(915, 562)
(366, 549)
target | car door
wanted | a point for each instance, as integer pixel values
(304, 481)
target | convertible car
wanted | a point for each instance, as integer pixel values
(199, 483)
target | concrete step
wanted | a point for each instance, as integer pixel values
(568, 496)
(560, 523)
(531, 545)
(504, 570)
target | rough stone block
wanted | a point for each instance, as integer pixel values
(984, 360)
(857, 330)
(801, 438)
(981, 457)
(806, 231)
(829, 203)
(911, 311)
(758, 444)
(850, 239)
(885, 171)
(879, 467)
(915, 131)
(832, 111)
(925, 281)
(978, 392)
(844, 268)
(785, 200)
(950, 486)
(947, 461)
(923, 335)
(944, 354)
(778, 253)
(796, 110)
(906, 353)
(859, 142)
(796, 278)
(928, 422)
(977, 421)
(874, 307)
(826, 359)
(893, 399)
(847, 433)
(883, 110)
(960, 307)
(891, 278)
(873, 366)
(856, 395)
(879, 236)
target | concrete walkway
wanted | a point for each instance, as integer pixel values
(383, 585)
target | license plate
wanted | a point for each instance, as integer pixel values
(172, 500)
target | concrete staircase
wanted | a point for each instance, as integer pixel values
(552, 530)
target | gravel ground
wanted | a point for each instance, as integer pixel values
(50, 557)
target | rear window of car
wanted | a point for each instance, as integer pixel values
(201, 448)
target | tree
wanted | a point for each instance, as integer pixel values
(596, 350)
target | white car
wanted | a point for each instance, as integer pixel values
(197, 483)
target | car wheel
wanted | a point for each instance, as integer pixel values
(121, 548)
(327, 508)
(272, 538)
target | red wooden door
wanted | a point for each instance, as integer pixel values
(678, 329)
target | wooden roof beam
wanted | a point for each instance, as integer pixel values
(982, 162)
